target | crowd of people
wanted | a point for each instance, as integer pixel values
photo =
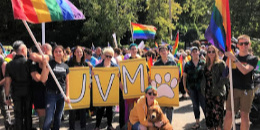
(26, 80)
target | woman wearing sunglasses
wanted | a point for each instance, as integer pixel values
(108, 53)
(213, 88)
(138, 115)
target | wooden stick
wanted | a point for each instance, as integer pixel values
(232, 95)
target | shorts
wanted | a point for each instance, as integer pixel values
(136, 126)
(242, 100)
(39, 98)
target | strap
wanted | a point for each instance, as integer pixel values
(146, 106)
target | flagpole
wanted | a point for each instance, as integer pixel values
(131, 31)
(39, 49)
(232, 95)
(43, 33)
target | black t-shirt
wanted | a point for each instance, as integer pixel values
(240, 80)
(19, 71)
(60, 71)
(36, 86)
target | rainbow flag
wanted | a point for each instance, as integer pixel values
(175, 47)
(156, 44)
(150, 64)
(180, 65)
(39, 11)
(219, 30)
(141, 31)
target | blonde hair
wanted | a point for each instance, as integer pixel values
(246, 37)
(216, 59)
(109, 50)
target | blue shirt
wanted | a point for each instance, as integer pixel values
(93, 61)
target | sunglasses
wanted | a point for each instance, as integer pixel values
(107, 56)
(245, 43)
(151, 93)
(211, 52)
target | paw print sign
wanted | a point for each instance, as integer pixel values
(165, 78)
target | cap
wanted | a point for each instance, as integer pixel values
(132, 44)
(194, 47)
(17, 44)
(150, 87)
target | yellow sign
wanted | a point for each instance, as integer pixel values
(105, 86)
(134, 77)
(165, 78)
(79, 80)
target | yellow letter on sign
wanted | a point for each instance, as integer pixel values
(165, 78)
(79, 80)
(134, 77)
(105, 86)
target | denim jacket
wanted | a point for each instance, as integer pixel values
(218, 80)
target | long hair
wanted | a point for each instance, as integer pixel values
(58, 46)
(82, 60)
(216, 59)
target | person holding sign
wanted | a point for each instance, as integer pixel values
(138, 115)
(108, 54)
(54, 98)
(78, 60)
(164, 60)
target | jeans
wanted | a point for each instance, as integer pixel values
(168, 111)
(72, 118)
(54, 109)
(22, 112)
(197, 100)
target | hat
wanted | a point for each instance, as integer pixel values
(194, 47)
(132, 44)
(150, 87)
(17, 44)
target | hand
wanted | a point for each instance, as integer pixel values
(67, 100)
(118, 75)
(187, 91)
(158, 124)
(230, 55)
(92, 73)
(44, 61)
(8, 102)
(121, 86)
(89, 85)
(89, 64)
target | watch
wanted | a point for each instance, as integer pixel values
(236, 61)
(7, 97)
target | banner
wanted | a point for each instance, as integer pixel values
(165, 78)
(105, 86)
(134, 77)
(79, 80)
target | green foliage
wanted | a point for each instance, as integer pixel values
(256, 47)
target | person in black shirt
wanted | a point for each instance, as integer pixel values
(165, 61)
(54, 98)
(77, 60)
(18, 76)
(242, 83)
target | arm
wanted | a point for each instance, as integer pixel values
(37, 57)
(244, 69)
(67, 89)
(2, 82)
(45, 72)
(36, 76)
(184, 79)
(8, 81)
(142, 116)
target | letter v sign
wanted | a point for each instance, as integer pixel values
(104, 97)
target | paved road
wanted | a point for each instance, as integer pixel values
(183, 119)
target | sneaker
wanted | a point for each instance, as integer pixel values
(110, 128)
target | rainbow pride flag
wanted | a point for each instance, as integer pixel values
(175, 47)
(141, 31)
(156, 45)
(39, 11)
(150, 64)
(219, 30)
(180, 65)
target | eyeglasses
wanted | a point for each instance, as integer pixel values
(151, 93)
(245, 43)
(107, 56)
(213, 52)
